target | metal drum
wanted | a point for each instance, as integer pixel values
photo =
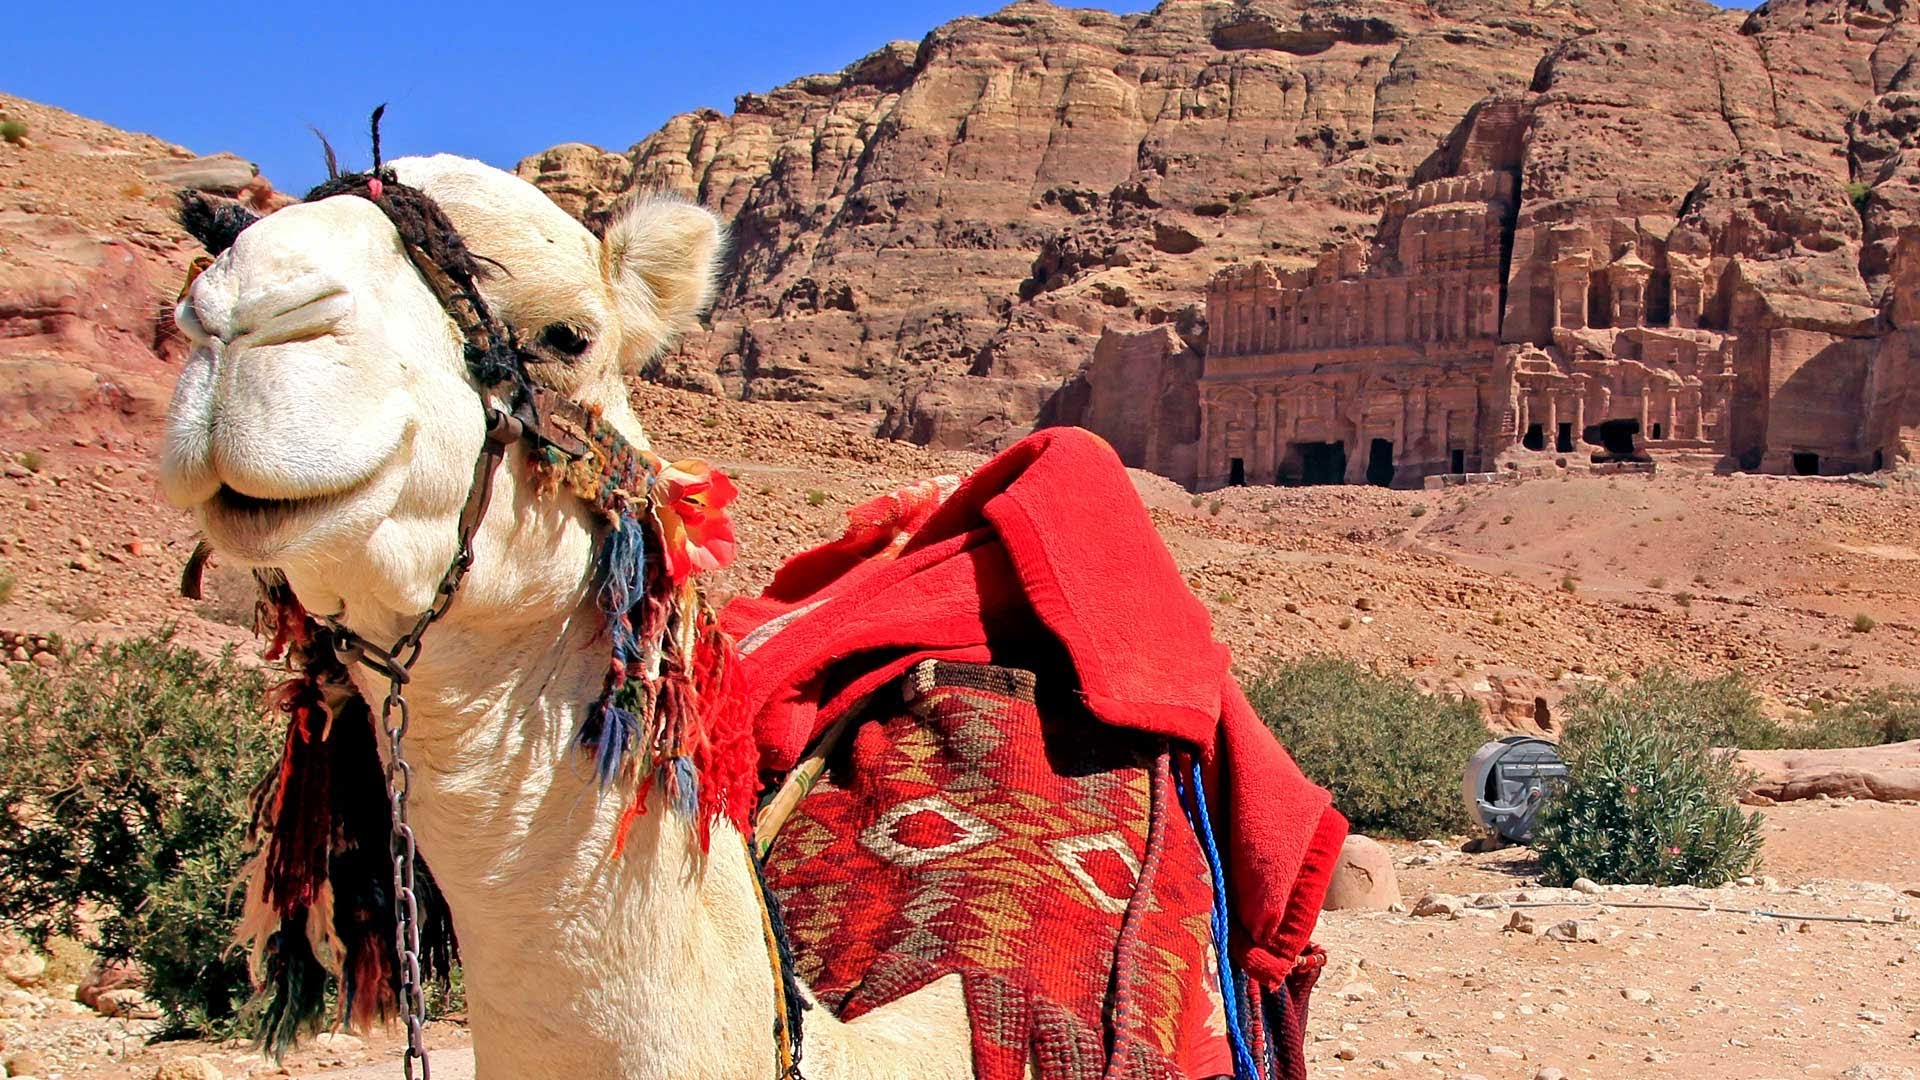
(1507, 783)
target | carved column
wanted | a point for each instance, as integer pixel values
(1204, 466)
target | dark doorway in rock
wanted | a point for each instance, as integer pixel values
(1879, 460)
(1323, 462)
(1237, 473)
(1563, 441)
(1535, 438)
(1542, 715)
(1656, 431)
(1380, 463)
(1457, 461)
(1806, 464)
(1615, 438)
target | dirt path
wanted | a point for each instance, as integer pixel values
(1660, 993)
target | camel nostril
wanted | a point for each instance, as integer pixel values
(301, 319)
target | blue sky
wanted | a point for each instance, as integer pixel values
(487, 79)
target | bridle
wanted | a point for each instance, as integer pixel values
(495, 359)
(557, 434)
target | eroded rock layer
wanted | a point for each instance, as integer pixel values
(939, 234)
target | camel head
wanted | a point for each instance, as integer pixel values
(326, 423)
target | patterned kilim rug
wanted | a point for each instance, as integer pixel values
(964, 827)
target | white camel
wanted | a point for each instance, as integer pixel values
(326, 425)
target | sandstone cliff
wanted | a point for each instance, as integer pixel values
(940, 232)
(91, 260)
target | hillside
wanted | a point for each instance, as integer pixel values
(930, 240)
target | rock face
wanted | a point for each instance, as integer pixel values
(1869, 772)
(91, 261)
(941, 232)
(1478, 218)
(1579, 273)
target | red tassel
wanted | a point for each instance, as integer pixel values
(726, 758)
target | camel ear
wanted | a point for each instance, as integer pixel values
(662, 257)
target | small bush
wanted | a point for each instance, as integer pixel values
(1419, 511)
(1720, 711)
(1215, 506)
(1683, 598)
(1887, 715)
(816, 498)
(13, 131)
(31, 460)
(1197, 500)
(7, 582)
(1390, 754)
(1857, 193)
(1568, 583)
(1863, 623)
(125, 795)
(1647, 800)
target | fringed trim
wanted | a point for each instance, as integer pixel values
(671, 712)
(319, 888)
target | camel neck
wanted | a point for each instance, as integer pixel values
(576, 962)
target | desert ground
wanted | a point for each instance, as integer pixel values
(1777, 569)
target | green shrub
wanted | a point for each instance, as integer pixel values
(1864, 623)
(816, 497)
(7, 583)
(1858, 192)
(13, 131)
(1720, 711)
(125, 793)
(1887, 715)
(1647, 801)
(1418, 510)
(1391, 755)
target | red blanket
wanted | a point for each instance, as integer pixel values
(1046, 555)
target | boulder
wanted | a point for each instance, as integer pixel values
(1884, 773)
(24, 968)
(218, 174)
(188, 1068)
(1364, 879)
(109, 976)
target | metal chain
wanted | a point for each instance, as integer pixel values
(396, 664)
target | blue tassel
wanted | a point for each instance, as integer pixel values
(610, 730)
(686, 785)
(614, 728)
(623, 567)
(1243, 1064)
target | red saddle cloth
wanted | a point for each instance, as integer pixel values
(1044, 560)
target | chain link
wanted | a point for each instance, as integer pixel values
(396, 664)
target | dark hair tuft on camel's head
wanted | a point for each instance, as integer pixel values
(215, 222)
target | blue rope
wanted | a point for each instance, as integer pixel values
(1243, 1063)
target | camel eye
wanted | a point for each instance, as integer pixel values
(564, 340)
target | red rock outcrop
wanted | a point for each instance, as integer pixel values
(91, 260)
(935, 235)
(983, 206)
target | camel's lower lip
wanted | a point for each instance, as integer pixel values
(255, 525)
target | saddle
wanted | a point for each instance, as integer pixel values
(1030, 766)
